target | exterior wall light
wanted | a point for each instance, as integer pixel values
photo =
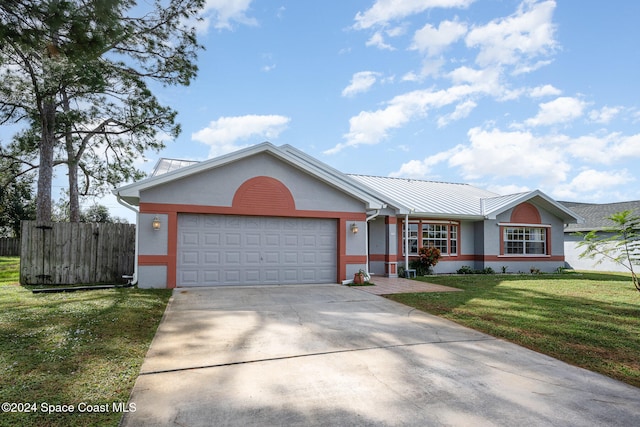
(156, 223)
(354, 228)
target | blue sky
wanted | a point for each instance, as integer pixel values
(507, 95)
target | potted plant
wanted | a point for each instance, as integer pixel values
(358, 278)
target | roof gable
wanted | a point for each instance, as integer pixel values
(494, 206)
(131, 193)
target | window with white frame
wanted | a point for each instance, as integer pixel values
(413, 239)
(441, 236)
(525, 240)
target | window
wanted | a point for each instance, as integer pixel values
(525, 241)
(413, 239)
(441, 236)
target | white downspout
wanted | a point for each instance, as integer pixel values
(366, 238)
(406, 242)
(134, 280)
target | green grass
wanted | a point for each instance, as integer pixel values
(68, 348)
(590, 320)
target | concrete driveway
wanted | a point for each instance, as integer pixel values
(337, 356)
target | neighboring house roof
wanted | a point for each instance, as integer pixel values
(405, 196)
(595, 215)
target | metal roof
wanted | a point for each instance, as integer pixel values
(168, 165)
(404, 195)
(430, 197)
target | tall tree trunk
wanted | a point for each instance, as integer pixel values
(72, 164)
(45, 170)
(74, 199)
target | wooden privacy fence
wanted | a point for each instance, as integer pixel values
(60, 253)
(9, 246)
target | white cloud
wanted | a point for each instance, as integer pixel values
(502, 154)
(546, 90)
(524, 35)
(422, 168)
(605, 149)
(604, 115)
(560, 110)
(591, 180)
(485, 80)
(462, 110)
(430, 67)
(371, 127)
(377, 40)
(435, 40)
(222, 13)
(385, 11)
(592, 184)
(224, 134)
(360, 82)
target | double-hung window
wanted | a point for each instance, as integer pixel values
(413, 239)
(525, 240)
(441, 236)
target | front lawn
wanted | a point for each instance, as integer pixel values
(83, 349)
(590, 320)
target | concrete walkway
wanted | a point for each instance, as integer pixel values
(330, 355)
(388, 285)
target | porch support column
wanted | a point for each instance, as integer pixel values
(406, 242)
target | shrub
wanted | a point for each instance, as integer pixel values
(465, 269)
(428, 257)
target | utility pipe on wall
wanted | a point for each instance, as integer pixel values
(134, 279)
(366, 238)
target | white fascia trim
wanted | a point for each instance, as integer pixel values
(333, 177)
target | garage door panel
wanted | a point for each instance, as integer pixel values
(252, 258)
(218, 250)
(190, 258)
(189, 278)
(211, 276)
(271, 257)
(290, 258)
(211, 258)
(232, 258)
(232, 276)
(325, 258)
(190, 238)
(253, 239)
(211, 239)
(271, 275)
(272, 240)
(232, 239)
(252, 277)
(290, 240)
(326, 241)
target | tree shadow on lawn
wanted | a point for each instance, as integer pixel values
(74, 347)
(592, 324)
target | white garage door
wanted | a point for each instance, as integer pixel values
(245, 250)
